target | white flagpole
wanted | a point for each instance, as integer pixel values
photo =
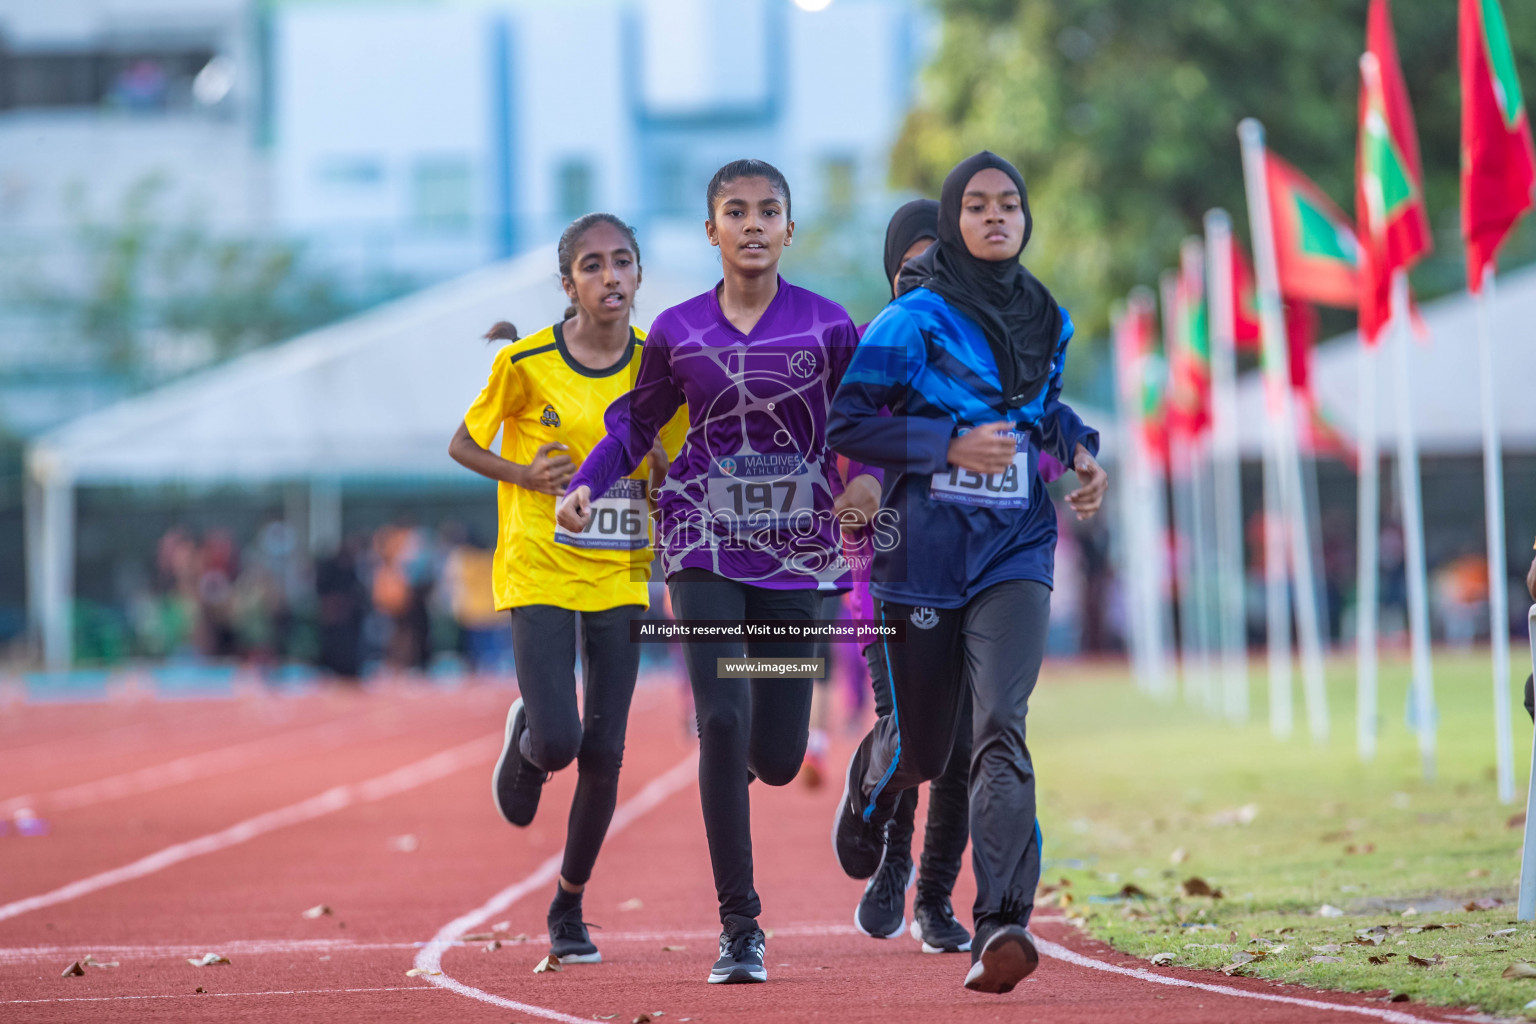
(1413, 530)
(1277, 364)
(1366, 602)
(1134, 556)
(1141, 306)
(1192, 266)
(1180, 475)
(1232, 621)
(1498, 576)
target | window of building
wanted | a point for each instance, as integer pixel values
(139, 80)
(574, 188)
(671, 195)
(441, 195)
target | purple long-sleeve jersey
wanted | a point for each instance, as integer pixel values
(750, 494)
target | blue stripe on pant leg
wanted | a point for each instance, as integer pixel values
(890, 679)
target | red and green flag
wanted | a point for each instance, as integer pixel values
(1245, 303)
(1389, 195)
(1498, 165)
(1143, 375)
(1315, 246)
(1189, 351)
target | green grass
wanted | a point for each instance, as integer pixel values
(1126, 781)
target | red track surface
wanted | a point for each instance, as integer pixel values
(131, 786)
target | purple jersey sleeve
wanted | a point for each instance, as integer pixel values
(634, 418)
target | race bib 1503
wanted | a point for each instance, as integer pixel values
(1009, 489)
(620, 520)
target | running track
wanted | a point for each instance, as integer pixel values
(186, 828)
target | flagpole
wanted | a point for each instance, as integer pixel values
(1314, 690)
(1498, 573)
(1142, 307)
(1192, 258)
(1180, 457)
(1227, 467)
(1369, 555)
(1423, 702)
(1134, 557)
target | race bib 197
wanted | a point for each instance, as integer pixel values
(761, 490)
(620, 520)
(1009, 489)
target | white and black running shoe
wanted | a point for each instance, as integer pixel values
(934, 925)
(568, 937)
(1001, 957)
(516, 784)
(742, 946)
(882, 910)
(858, 842)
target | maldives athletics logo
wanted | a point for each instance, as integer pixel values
(550, 418)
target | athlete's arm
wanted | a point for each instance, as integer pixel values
(634, 420)
(547, 473)
(1062, 430)
(883, 365)
(1085, 501)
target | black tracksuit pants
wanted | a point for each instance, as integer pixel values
(544, 640)
(991, 648)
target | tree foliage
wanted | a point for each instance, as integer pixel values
(1122, 114)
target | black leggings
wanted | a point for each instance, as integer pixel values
(544, 641)
(949, 801)
(745, 725)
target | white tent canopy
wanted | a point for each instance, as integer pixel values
(1443, 374)
(375, 396)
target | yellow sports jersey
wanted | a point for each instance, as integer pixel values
(539, 393)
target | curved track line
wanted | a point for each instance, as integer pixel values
(337, 798)
(1051, 949)
(226, 995)
(431, 956)
(306, 739)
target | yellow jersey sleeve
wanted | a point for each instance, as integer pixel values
(499, 400)
(674, 432)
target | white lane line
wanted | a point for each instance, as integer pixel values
(265, 947)
(1051, 949)
(431, 956)
(337, 798)
(200, 765)
(225, 995)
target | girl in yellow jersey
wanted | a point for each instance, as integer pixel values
(546, 396)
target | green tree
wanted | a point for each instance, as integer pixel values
(1122, 115)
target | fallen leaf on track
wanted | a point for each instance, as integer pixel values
(91, 961)
(74, 970)
(1131, 891)
(632, 904)
(1381, 959)
(1352, 849)
(208, 960)
(404, 844)
(549, 963)
(604, 1016)
(1486, 903)
(673, 949)
(493, 945)
(319, 910)
(1419, 961)
(417, 972)
(479, 937)
(1161, 959)
(1520, 969)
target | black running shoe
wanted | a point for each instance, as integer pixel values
(568, 938)
(516, 784)
(882, 909)
(742, 946)
(859, 842)
(934, 925)
(1001, 957)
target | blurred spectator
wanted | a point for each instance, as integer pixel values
(342, 606)
(1460, 589)
(402, 582)
(485, 634)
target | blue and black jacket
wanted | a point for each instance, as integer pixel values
(930, 365)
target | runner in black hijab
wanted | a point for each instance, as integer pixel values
(1020, 319)
(910, 224)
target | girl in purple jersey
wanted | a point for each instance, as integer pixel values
(749, 512)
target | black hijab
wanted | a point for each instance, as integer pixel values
(1018, 316)
(914, 221)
